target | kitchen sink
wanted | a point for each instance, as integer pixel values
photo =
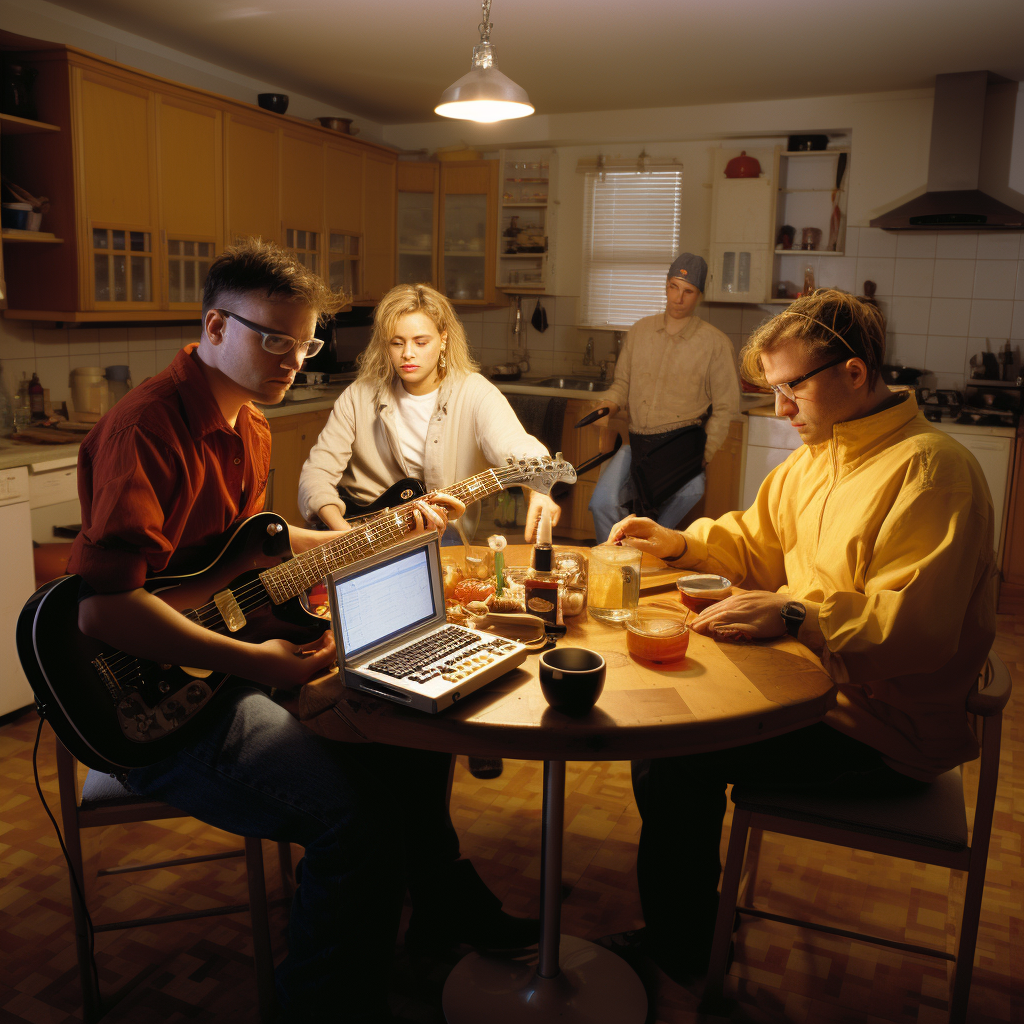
(572, 383)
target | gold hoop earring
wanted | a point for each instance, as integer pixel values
(442, 365)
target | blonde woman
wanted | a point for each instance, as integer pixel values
(417, 409)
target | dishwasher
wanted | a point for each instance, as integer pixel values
(19, 583)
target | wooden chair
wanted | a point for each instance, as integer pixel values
(104, 801)
(929, 828)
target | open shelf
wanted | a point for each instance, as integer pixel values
(808, 253)
(11, 125)
(14, 235)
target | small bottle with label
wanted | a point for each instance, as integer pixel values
(35, 398)
(543, 596)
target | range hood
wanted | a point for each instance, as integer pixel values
(971, 122)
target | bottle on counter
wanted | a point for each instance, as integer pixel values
(22, 407)
(6, 407)
(36, 399)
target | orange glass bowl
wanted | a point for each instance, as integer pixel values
(657, 634)
(700, 591)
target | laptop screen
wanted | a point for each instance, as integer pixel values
(385, 600)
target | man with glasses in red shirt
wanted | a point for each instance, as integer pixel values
(178, 462)
(872, 544)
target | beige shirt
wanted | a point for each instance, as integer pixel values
(471, 428)
(668, 380)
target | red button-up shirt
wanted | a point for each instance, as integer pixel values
(162, 477)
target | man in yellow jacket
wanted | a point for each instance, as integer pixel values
(872, 544)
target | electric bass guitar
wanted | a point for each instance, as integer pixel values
(115, 711)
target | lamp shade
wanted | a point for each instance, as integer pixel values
(484, 94)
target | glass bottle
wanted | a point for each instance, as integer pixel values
(36, 399)
(22, 409)
(6, 407)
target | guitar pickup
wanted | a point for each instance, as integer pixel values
(229, 610)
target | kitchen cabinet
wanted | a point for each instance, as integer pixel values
(722, 478)
(378, 225)
(252, 177)
(291, 438)
(148, 180)
(770, 440)
(189, 139)
(468, 230)
(524, 220)
(343, 216)
(417, 183)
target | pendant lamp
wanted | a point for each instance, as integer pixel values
(485, 94)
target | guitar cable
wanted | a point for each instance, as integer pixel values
(90, 930)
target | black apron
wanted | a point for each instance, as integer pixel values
(662, 463)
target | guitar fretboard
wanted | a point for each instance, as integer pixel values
(291, 578)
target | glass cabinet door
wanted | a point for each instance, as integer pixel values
(344, 263)
(464, 235)
(415, 238)
(304, 246)
(188, 263)
(122, 265)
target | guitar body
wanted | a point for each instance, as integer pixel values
(398, 493)
(114, 711)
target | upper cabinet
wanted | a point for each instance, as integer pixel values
(773, 235)
(447, 227)
(148, 180)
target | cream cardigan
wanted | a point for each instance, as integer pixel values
(472, 428)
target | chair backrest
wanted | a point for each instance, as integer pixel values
(987, 701)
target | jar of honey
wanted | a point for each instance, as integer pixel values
(701, 590)
(657, 634)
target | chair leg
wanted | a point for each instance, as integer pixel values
(284, 858)
(261, 950)
(726, 907)
(92, 1001)
(749, 881)
(963, 970)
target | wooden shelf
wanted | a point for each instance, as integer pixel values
(790, 191)
(522, 255)
(11, 125)
(409, 252)
(814, 152)
(524, 206)
(14, 235)
(808, 253)
(465, 252)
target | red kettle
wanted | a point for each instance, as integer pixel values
(743, 166)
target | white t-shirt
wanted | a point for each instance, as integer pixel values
(412, 416)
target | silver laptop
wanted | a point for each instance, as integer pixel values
(393, 640)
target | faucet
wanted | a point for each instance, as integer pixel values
(588, 356)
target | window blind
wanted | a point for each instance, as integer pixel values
(631, 226)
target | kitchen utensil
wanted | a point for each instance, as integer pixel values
(743, 166)
(339, 124)
(572, 678)
(276, 102)
(90, 393)
(596, 460)
(119, 382)
(869, 293)
(810, 238)
(591, 417)
(539, 320)
(15, 215)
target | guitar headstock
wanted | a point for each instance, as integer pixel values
(538, 472)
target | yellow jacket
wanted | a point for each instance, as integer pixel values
(885, 533)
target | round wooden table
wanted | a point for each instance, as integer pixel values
(721, 695)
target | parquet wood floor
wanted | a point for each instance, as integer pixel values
(201, 971)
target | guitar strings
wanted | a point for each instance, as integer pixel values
(253, 595)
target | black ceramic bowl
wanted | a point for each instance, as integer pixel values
(275, 101)
(572, 678)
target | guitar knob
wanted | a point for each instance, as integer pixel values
(143, 722)
(273, 529)
(194, 694)
(163, 686)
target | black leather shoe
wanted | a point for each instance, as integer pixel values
(683, 964)
(495, 933)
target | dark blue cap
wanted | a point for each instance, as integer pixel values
(692, 269)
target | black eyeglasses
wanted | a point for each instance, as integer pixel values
(278, 344)
(786, 390)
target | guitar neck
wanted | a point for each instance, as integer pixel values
(291, 578)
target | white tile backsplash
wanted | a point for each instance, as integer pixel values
(915, 244)
(727, 318)
(840, 273)
(142, 365)
(949, 317)
(909, 314)
(946, 355)
(953, 279)
(956, 245)
(906, 349)
(991, 318)
(876, 242)
(880, 269)
(913, 276)
(995, 279)
(1017, 325)
(999, 245)
(852, 243)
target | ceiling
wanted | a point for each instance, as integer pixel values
(390, 60)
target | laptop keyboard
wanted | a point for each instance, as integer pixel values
(443, 654)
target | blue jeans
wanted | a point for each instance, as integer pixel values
(614, 490)
(371, 819)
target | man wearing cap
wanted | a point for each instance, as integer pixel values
(676, 376)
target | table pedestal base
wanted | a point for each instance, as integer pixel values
(593, 986)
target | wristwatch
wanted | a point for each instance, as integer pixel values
(793, 614)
